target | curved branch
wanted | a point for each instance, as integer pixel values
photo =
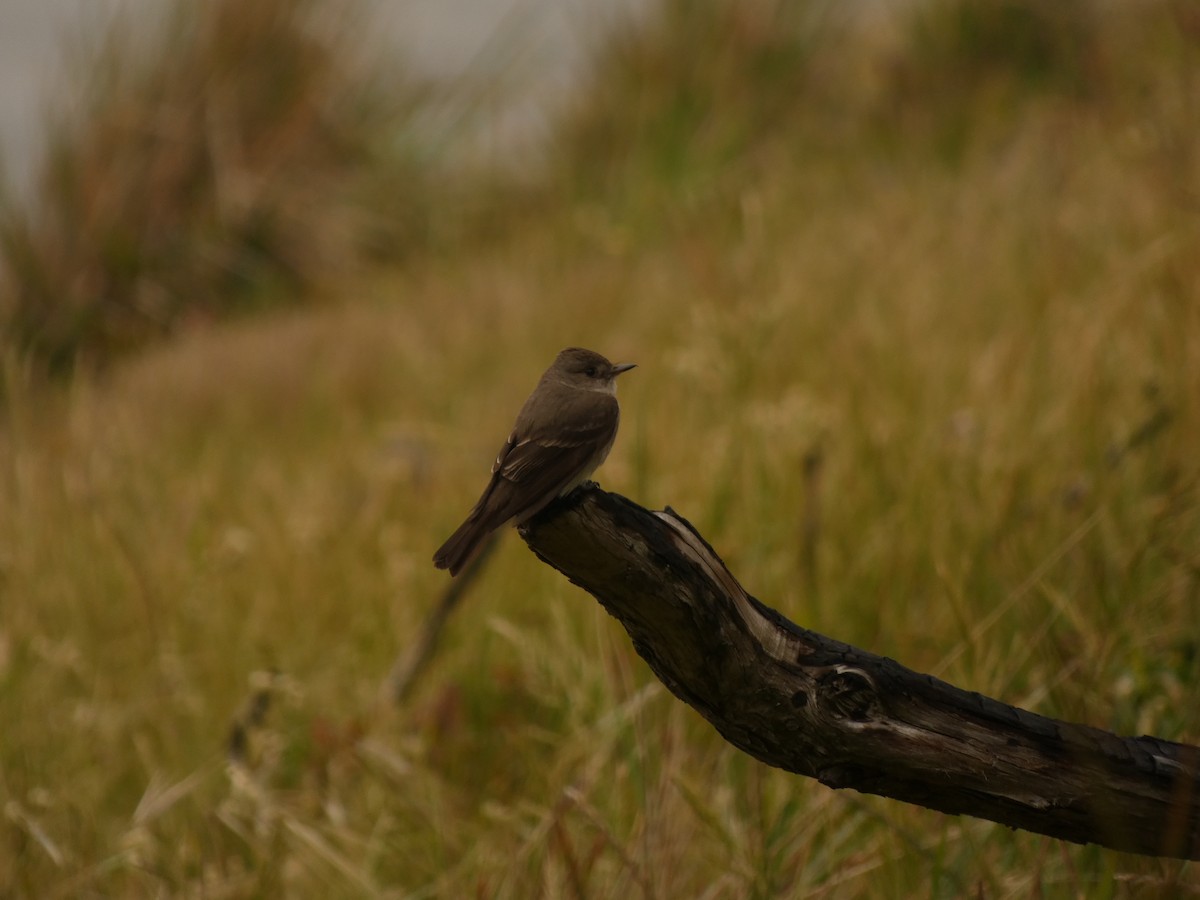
(817, 707)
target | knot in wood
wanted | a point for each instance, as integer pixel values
(848, 693)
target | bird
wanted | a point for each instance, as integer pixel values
(562, 434)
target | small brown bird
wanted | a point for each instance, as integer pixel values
(562, 434)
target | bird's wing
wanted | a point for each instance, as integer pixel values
(531, 470)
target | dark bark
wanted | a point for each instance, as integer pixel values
(817, 707)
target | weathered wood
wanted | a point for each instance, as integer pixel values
(812, 705)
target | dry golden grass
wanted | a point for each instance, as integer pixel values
(997, 356)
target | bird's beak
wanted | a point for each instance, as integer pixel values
(623, 367)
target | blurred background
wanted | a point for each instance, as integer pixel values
(542, 41)
(921, 278)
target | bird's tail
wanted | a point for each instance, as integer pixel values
(462, 546)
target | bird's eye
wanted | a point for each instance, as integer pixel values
(590, 372)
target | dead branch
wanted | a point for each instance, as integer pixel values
(817, 707)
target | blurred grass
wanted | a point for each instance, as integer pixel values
(967, 280)
(232, 158)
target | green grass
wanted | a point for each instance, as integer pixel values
(995, 350)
